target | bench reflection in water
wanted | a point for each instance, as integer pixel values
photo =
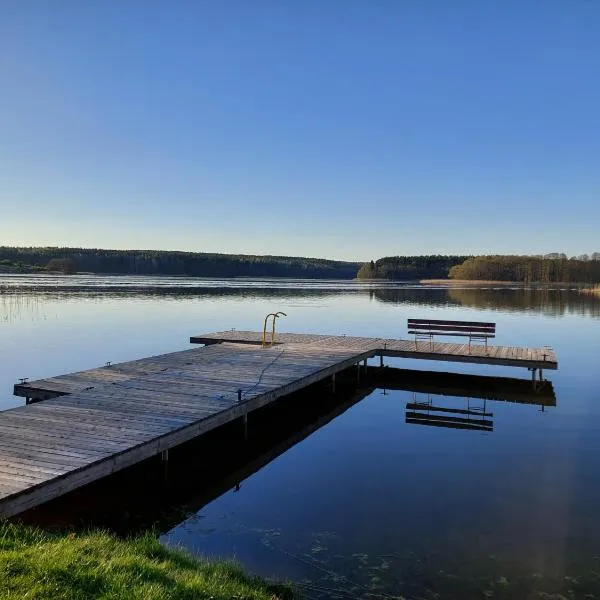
(471, 410)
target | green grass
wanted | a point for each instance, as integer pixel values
(38, 565)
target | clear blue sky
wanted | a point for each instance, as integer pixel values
(349, 129)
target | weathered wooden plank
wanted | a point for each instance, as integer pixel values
(116, 430)
(69, 437)
(96, 447)
(142, 420)
(78, 430)
(37, 464)
(168, 406)
(57, 453)
(9, 486)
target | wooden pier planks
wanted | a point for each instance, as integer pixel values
(125, 413)
(538, 358)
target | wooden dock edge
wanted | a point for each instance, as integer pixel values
(469, 358)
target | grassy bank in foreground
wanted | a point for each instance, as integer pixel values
(41, 566)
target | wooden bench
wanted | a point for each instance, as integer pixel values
(474, 330)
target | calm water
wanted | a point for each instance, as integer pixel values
(367, 505)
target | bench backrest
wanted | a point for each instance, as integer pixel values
(466, 327)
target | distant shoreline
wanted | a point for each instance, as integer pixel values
(451, 282)
(593, 290)
(476, 282)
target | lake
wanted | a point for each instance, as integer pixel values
(349, 496)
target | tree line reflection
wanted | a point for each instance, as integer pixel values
(16, 304)
(555, 302)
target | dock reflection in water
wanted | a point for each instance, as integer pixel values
(469, 408)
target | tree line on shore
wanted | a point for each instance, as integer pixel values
(549, 268)
(409, 268)
(528, 269)
(158, 262)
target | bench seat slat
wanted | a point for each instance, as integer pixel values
(462, 334)
(412, 322)
(452, 328)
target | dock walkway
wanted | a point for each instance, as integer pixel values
(511, 356)
(102, 420)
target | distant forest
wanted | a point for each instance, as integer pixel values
(410, 267)
(550, 268)
(530, 269)
(157, 262)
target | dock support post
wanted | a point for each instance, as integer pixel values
(365, 362)
(533, 370)
(246, 427)
(358, 371)
(381, 360)
(541, 375)
(333, 383)
(164, 461)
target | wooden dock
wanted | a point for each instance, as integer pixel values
(510, 356)
(102, 420)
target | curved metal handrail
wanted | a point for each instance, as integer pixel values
(275, 316)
